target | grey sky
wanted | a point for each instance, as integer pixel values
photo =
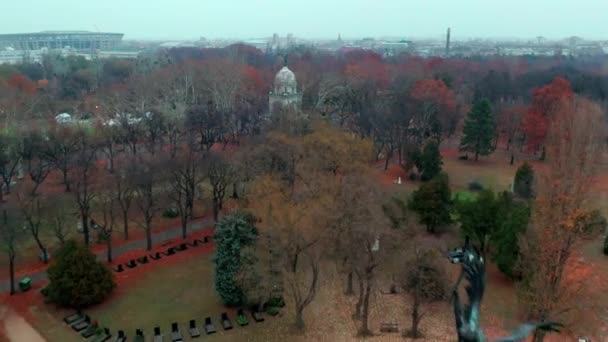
(189, 19)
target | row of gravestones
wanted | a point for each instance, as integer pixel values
(155, 256)
(208, 326)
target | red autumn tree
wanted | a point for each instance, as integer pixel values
(545, 101)
(22, 83)
(434, 104)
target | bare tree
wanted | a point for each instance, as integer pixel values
(148, 185)
(60, 217)
(84, 179)
(107, 211)
(33, 213)
(220, 175)
(59, 149)
(185, 175)
(9, 161)
(9, 233)
(123, 191)
(425, 280)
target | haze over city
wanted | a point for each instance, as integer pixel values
(190, 19)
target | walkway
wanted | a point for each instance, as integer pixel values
(117, 251)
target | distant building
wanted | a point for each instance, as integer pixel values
(284, 94)
(78, 40)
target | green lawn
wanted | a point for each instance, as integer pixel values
(172, 293)
(175, 293)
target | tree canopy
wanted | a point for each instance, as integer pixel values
(77, 279)
(233, 233)
(479, 130)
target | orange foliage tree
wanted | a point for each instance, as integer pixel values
(573, 150)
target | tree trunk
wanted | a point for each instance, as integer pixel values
(300, 319)
(42, 249)
(357, 314)
(349, 284)
(148, 236)
(234, 193)
(415, 317)
(476, 155)
(388, 159)
(125, 223)
(184, 225)
(85, 226)
(65, 180)
(539, 336)
(11, 270)
(109, 243)
(364, 330)
(216, 209)
(512, 159)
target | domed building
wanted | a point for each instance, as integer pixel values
(284, 94)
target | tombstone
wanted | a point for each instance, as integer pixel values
(376, 246)
(399, 180)
(79, 226)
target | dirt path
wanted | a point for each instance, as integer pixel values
(16, 328)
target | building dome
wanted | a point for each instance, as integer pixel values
(285, 82)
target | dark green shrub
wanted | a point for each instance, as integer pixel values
(276, 301)
(233, 233)
(524, 181)
(272, 310)
(170, 213)
(432, 202)
(606, 245)
(475, 186)
(77, 279)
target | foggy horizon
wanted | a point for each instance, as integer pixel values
(315, 19)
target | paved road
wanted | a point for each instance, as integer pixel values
(157, 238)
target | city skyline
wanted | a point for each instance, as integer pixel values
(240, 19)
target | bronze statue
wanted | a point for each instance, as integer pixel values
(467, 319)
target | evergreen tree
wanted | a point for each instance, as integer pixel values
(512, 218)
(478, 218)
(233, 233)
(429, 162)
(523, 182)
(479, 130)
(432, 202)
(77, 279)
(606, 245)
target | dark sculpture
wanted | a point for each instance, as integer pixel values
(467, 318)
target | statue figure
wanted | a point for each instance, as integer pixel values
(467, 318)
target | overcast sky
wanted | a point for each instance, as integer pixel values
(189, 19)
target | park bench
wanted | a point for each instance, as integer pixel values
(209, 328)
(120, 337)
(158, 337)
(389, 327)
(176, 335)
(241, 318)
(193, 330)
(226, 324)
